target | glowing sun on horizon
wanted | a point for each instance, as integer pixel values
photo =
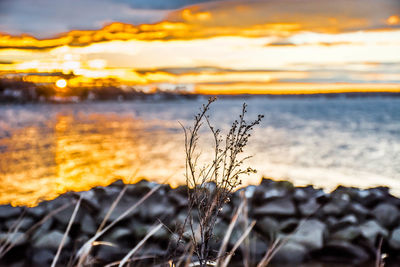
(61, 83)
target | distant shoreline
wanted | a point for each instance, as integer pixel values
(157, 97)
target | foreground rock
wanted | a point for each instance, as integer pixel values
(345, 226)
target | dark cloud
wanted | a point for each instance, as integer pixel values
(163, 4)
(46, 18)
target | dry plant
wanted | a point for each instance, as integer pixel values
(210, 186)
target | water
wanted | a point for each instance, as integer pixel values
(47, 149)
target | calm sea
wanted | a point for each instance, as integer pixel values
(48, 149)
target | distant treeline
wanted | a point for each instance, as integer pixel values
(17, 91)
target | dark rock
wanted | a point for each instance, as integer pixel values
(43, 257)
(140, 189)
(90, 201)
(108, 253)
(118, 184)
(51, 240)
(270, 190)
(64, 216)
(162, 235)
(394, 240)
(342, 251)
(268, 226)
(310, 234)
(359, 210)
(14, 238)
(371, 197)
(309, 208)
(280, 207)
(337, 206)
(331, 222)
(386, 214)
(7, 211)
(300, 194)
(352, 192)
(290, 253)
(177, 199)
(152, 251)
(371, 230)
(288, 226)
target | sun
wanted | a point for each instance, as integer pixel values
(61, 83)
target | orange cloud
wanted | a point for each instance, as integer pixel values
(279, 18)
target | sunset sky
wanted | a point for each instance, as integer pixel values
(270, 46)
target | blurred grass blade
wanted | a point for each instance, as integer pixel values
(229, 233)
(138, 246)
(242, 237)
(84, 250)
(71, 220)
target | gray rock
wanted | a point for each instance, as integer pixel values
(300, 194)
(220, 230)
(37, 212)
(43, 257)
(347, 220)
(7, 211)
(290, 253)
(273, 193)
(348, 233)
(386, 214)
(64, 216)
(249, 191)
(153, 210)
(394, 240)
(51, 240)
(281, 207)
(15, 238)
(310, 234)
(22, 225)
(268, 226)
(337, 205)
(123, 205)
(371, 229)
(309, 208)
(139, 230)
(42, 229)
(117, 234)
(88, 225)
(161, 235)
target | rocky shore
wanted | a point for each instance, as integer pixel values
(344, 227)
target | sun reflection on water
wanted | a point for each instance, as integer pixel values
(76, 153)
